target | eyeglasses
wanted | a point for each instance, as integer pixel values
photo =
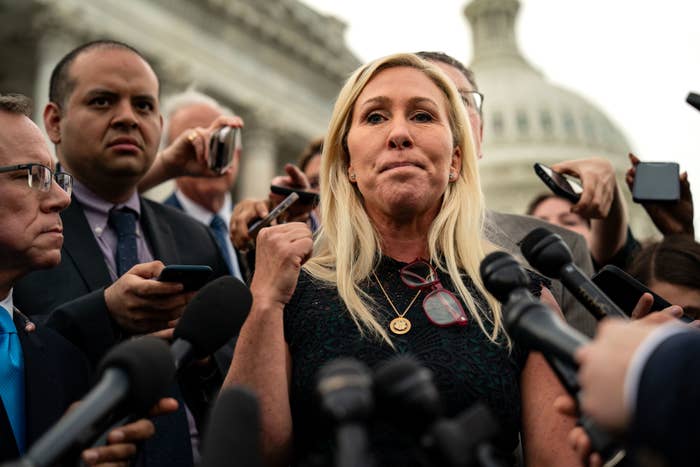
(473, 99)
(40, 177)
(440, 305)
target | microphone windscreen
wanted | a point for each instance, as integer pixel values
(215, 315)
(233, 432)
(148, 364)
(546, 251)
(344, 386)
(501, 274)
(406, 392)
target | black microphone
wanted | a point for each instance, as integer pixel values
(408, 396)
(345, 390)
(548, 253)
(532, 323)
(133, 376)
(525, 318)
(215, 315)
(233, 431)
(694, 100)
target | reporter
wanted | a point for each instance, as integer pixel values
(671, 268)
(640, 379)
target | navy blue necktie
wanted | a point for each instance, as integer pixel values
(220, 229)
(12, 377)
(123, 221)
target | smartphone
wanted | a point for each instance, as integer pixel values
(626, 291)
(656, 181)
(192, 276)
(561, 185)
(305, 197)
(255, 227)
(222, 146)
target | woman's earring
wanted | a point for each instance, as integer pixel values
(453, 176)
(352, 177)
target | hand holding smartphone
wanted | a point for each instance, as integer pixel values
(561, 185)
(656, 182)
(255, 227)
(626, 291)
(305, 196)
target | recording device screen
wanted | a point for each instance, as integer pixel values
(656, 181)
(561, 185)
(254, 228)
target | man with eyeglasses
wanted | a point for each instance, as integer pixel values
(506, 230)
(41, 372)
(104, 120)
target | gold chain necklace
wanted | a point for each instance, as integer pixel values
(398, 325)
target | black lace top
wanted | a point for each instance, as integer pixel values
(466, 366)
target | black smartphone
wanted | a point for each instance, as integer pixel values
(626, 291)
(222, 146)
(192, 276)
(255, 227)
(656, 181)
(561, 185)
(305, 197)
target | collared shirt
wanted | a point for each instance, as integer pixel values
(205, 216)
(8, 304)
(97, 213)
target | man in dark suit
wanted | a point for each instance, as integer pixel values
(42, 373)
(104, 119)
(207, 199)
(642, 379)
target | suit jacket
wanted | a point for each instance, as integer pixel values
(56, 374)
(506, 230)
(666, 422)
(243, 259)
(74, 290)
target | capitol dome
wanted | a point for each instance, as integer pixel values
(528, 119)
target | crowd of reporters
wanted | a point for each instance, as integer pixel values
(298, 356)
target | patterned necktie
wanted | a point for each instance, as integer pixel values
(220, 229)
(12, 377)
(123, 221)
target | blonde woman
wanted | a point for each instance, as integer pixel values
(394, 269)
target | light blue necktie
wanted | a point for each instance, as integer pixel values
(12, 376)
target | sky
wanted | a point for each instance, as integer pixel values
(634, 59)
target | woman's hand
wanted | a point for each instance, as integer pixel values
(281, 250)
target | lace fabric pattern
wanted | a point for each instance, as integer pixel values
(466, 366)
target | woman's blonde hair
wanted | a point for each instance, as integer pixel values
(348, 247)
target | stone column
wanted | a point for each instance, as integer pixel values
(258, 162)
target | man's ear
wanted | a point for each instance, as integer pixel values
(52, 122)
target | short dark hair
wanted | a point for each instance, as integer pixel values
(61, 83)
(675, 259)
(449, 60)
(313, 148)
(16, 104)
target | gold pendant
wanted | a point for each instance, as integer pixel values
(400, 325)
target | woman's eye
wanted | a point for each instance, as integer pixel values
(374, 117)
(423, 117)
